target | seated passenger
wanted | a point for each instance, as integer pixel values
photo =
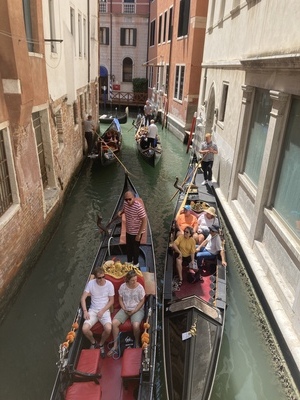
(131, 299)
(102, 294)
(185, 219)
(210, 247)
(144, 143)
(206, 219)
(185, 248)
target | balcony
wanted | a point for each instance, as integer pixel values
(103, 7)
(128, 8)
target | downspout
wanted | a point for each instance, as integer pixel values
(88, 40)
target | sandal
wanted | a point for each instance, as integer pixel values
(102, 351)
(95, 346)
(180, 282)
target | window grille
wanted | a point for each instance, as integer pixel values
(37, 125)
(128, 8)
(6, 199)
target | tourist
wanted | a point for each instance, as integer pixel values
(206, 219)
(185, 248)
(186, 218)
(210, 248)
(102, 294)
(131, 299)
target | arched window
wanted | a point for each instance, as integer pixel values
(127, 69)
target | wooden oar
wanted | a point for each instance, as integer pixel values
(187, 192)
(185, 180)
(117, 158)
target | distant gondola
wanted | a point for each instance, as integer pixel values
(110, 143)
(108, 118)
(150, 154)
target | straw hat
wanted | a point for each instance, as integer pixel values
(211, 211)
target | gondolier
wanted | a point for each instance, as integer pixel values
(208, 149)
(89, 129)
(136, 222)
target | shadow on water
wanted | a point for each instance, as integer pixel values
(43, 311)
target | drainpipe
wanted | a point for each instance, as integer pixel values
(88, 40)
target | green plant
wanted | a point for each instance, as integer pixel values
(140, 85)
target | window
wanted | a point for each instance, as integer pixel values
(165, 26)
(170, 31)
(129, 7)
(128, 37)
(104, 36)
(28, 24)
(152, 33)
(84, 37)
(72, 21)
(184, 17)
(159, 29)
(127, 69)
(223, 101)
(52, 25)
(102, 6)
(150, 77)
(258, 134)
(80, 35)
(37, 125)
(287, 196)
(167, 79)
(6, 196)
(179, 80)
(59, 127)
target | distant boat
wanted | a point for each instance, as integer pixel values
(150, 154)
(110, 143)
(193, 309)
(108, 118)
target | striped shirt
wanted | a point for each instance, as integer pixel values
(134, 214)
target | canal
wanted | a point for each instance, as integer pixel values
(42, 313)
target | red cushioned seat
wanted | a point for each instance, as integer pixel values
(84, 390)
(131, 363)
(89, 361)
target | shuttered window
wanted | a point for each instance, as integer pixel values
(128, 37)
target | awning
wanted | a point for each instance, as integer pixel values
(103, 72)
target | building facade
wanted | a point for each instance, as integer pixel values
(250, 100)
(49, 75)
(176, 40)
(123, 36)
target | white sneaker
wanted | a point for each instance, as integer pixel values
(210, 183)
(204, 183)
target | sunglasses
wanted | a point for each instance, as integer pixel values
(100, 277)
(186, 231)
(128, 199)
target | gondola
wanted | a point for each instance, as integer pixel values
(108, 118)
(193, 313)
(110, 143)
(150, 154)
(82, 373)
